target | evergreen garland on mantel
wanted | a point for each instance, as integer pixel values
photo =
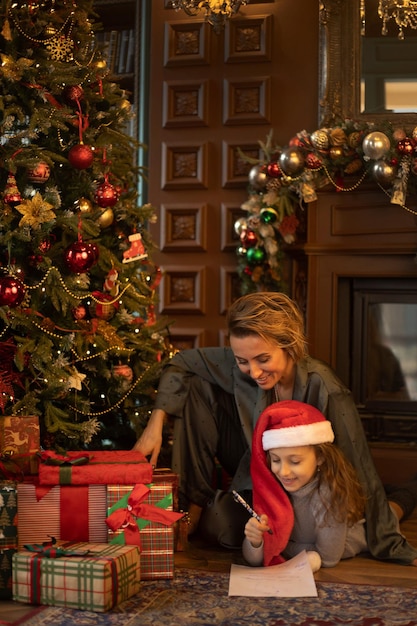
(286, 179)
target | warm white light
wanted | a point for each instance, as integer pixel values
(216, 12)
(403, 12)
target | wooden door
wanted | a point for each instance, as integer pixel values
(211, 95)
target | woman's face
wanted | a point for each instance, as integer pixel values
(294, 467)
(263, 361)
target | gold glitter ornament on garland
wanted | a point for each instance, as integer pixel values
(60, 48)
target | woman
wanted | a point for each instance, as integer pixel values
(218, 395)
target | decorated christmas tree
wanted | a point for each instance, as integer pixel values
(80, 345)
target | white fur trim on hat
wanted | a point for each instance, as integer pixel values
(299, 435)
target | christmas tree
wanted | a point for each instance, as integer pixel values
(80, 345)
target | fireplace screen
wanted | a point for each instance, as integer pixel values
(377, 344)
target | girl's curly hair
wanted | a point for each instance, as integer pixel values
(348, 500)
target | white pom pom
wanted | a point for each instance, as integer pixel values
(314, 560)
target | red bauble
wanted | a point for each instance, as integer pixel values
(79, 312)
(105, 308)
(40, 173)
(81, 156)
(81, 256)
(12, 291)
(406, 146)
(273, 169)
(73, 94)
(106, 195)
(123, 371)
(250, 239)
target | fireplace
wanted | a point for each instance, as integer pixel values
(376, 353)
(362, 282)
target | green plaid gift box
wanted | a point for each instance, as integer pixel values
(97, 581)
(8, 535)
(157, 540)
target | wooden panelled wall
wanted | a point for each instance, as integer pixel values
(211, 94)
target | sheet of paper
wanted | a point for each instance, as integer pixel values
(292, 579)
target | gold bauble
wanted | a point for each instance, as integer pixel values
(84, 205)
(336, 152)
(106, 218)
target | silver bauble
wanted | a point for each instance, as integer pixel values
(257, 177)
(241, 226)
(292, 161)
(384, 173)
(376, 145)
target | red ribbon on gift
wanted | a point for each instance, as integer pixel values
(125, 519)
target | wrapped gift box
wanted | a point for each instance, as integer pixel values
(19, 442)
(98, 581)
(8, 535)
(72, 513)
(156, 539)
(101, 467)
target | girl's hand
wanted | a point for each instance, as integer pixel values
(254, 530)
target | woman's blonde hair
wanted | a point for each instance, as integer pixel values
(273, 316)
(347, 499)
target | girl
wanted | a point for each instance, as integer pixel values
(307, 491)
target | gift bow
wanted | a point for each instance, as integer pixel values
(49, 550)
(125, 518)
(52, 458)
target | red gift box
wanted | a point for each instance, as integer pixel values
(133, 511)
(71, 513)
(19, 443)
(122, 467)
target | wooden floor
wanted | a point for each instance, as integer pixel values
(358, 570)
(202, 557)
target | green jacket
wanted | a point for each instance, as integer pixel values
(316, 384)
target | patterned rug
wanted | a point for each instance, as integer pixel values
(198, 598)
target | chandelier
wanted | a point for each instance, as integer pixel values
(404, 12)
(216, 12)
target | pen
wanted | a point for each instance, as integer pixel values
(238, 498)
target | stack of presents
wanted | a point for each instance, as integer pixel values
(81, 530)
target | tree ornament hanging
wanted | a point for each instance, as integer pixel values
(11, 195)
(106, 195)
(80, 256)
(103, 306)
(12, 291)
(79, 312)
(250, 239)
(106, 219)
(73, 94)
(84, 205)
(81, 156)
(40, 173)
(137, 251)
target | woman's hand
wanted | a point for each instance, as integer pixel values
(150, 441)
(254, 530)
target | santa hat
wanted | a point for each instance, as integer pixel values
(281, 425)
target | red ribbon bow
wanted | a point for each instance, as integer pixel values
(125, 519)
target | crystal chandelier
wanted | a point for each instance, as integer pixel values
(216, 12)
(404, 12)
